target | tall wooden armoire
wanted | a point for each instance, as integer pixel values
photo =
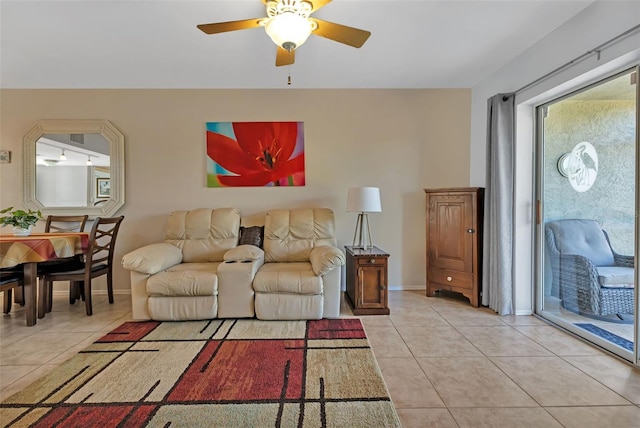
(454, 241)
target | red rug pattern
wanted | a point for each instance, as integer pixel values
(218, 373)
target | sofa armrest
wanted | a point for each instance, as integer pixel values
(325, 258)
(152, 258)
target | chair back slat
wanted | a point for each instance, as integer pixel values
(65, 223)
(102, 241)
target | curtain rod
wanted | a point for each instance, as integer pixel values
(595, 50)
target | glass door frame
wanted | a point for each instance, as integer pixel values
(539, 240)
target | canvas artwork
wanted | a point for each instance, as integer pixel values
(255, 154)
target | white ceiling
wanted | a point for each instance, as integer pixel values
(49, 147)
(155, 44)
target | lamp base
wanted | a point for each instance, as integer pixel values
(364, 240)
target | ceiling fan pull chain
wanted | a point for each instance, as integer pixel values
(289, 77)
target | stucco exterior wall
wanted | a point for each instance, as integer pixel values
(610, 127)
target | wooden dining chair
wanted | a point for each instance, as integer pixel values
(98, 261)
(59, 224)
(8, 282)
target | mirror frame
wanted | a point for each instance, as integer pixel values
(116, 153)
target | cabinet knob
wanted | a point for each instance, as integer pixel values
(471, 231)
(382, 287)
(449, 278)
(372, 261)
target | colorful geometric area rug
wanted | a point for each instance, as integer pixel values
(607, 335)
(218, 373)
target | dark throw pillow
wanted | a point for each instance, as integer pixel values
(251, 235)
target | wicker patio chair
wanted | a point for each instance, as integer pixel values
(590, 276)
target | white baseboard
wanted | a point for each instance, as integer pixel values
(524, 312)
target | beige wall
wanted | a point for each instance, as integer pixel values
(399, 140)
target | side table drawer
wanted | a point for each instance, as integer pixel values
(371, 261)
(451, 277)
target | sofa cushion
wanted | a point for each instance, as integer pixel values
(242, 253)
(203, 234)
(584, 238)
(183, 283)
(292, 278)
(290, 235)
(615, 276)
(252, 235)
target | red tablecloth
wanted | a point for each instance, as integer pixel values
(40, 247)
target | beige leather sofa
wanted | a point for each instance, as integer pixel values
(200, 272)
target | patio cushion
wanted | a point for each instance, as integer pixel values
(584, 238)
(615, 276)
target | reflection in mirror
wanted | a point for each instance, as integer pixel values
(74, 167)
(70, 168)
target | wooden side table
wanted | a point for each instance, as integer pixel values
(367, 281)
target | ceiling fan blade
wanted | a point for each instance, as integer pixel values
(223, 27)
(317, 4)
(341, 33)
(285, 57)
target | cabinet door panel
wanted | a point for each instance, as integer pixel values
(372, 287)
(451, 244)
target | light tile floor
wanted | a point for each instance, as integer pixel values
(445, 363)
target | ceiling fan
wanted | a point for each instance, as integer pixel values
(289, 25)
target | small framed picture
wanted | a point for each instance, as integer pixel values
(5, 156)
(103, 187)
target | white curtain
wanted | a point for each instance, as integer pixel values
(497, 281)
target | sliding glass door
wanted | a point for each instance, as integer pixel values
(588, 199)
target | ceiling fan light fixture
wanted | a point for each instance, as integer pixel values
(289, 30)
(288, 23)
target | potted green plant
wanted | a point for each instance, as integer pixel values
(21, 220)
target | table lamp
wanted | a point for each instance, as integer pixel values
(363, 200)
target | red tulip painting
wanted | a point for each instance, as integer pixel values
(255, 154)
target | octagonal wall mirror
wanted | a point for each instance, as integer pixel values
(74, 167)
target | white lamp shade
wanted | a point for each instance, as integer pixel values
(364, 199)
(288, 27)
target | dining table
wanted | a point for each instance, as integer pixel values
(36, 248)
